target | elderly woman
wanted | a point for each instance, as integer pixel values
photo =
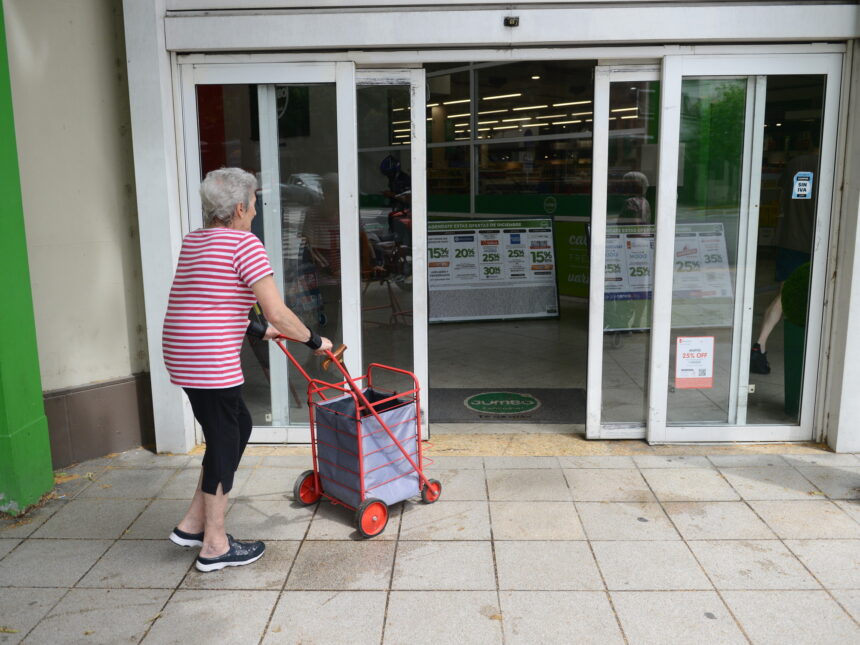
(223, 270)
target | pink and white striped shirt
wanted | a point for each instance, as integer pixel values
(207, 313)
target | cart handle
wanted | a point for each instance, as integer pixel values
(336, 355)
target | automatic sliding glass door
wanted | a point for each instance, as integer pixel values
(746, 171)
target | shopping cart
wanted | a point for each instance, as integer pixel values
(365, 442)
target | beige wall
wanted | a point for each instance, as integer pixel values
(70, 94)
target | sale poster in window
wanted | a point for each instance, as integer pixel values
(694, 362)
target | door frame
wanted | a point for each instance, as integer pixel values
(675, 68)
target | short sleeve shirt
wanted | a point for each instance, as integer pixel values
(207, 313)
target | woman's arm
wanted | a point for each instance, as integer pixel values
(279, 315)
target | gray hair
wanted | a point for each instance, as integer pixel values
(221, 190)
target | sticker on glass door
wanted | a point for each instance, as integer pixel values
(694, 362)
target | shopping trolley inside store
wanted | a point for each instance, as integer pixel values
(365, 442)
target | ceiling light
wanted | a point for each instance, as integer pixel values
(457, 116)
(630, 116)
(492, 111)
(522, 118)
(461, 125)
(535, 77)
(630, 109)
(503, 96)
(566, 122)
(505, 127)
(432, 105)
(402, 130)
(457, 101)
(551, 116)
(399, 122)
(580, 113)
(487, 122)
(530, 107)
(571, 103)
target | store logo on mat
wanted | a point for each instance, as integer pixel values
(502, 403)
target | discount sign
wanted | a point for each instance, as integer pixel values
(694, 362)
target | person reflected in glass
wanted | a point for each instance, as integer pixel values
(222, 272)
(794, 240)
(636, 209)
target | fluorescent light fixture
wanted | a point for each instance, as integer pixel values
(487, 122)
(400, 109)
(630, 109)
(530, 107)
(522, 118)
(571, 103)
(493, 111)
(399, 122)
(461, 138)
(402, 130)
(588, 120)
(457, 116)
(551, 116)
(401, 136)
(505, 127)
(461, 125)
(503, 96)
(485, 129)
(535, 77)
(630, 116)
(566, 122)
(580, 113)
(457, 101)
(432, 105)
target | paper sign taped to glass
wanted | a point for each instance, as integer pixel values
(694, 362)
(702, 294)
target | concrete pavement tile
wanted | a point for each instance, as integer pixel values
(672, 461)
(50, 563)
(142, 458)
(444, 565)
(156, 522)
(807, 520)
(251, 461)
(182, 485)
(267, 573)
(850, 601)
(453, 462)
(92, 518)
(535, 521)
(649, 617)
(747, 461)
(778, 617)
(27, 524)
(836, 563)
(270, 483)
(513, 463)
(625, 521)
(689, 485)
(268, 520)
(462, 485)
(332, 522)
(547, 566)
(830, 459)
(343, 565)
(191, 616)
(850, 506)
(769, 483)
(837, 482)
(649, 566)
(534, 484)
(105, 616)
(445, 520)
(608, 485)
(129, 483)
(318, 617)
(560, 617)
(443, 618)
(140, 564)
(717, 521)
(7, 545)
(751, 564)
(597, 461)
(21, 610)
(304, 462)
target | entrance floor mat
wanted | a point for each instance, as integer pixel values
(507, 405)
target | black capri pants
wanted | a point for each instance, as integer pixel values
(226, 424)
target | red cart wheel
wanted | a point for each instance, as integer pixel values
(305, 491)
(431, 491)
(371, 517)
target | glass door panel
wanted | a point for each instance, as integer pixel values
(630, 233)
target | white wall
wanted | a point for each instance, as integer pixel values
(70, 95)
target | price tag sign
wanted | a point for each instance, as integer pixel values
(694, 362)
(802, 186)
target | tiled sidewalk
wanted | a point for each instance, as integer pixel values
(723, 548)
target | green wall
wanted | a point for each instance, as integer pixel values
(25, 451)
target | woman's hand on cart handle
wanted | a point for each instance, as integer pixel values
(324, 348)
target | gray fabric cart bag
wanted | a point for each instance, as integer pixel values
(337, 449)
